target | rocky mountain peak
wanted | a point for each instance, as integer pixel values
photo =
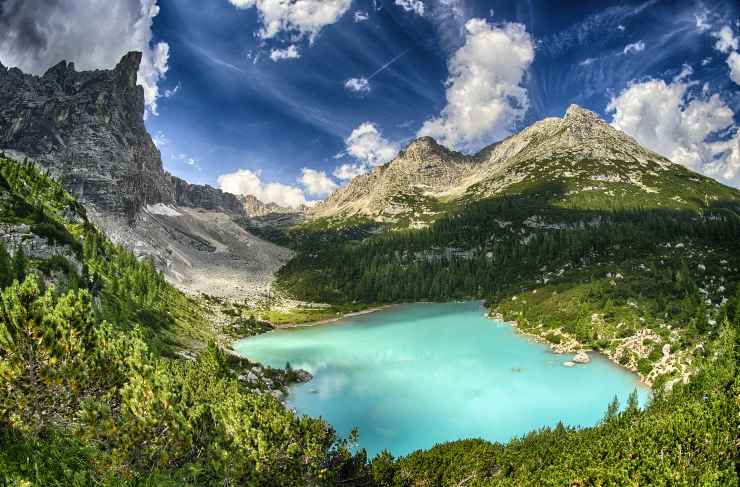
(582, 122)
(422, 145)
(128, 68)
(577, 148)
(87, 129)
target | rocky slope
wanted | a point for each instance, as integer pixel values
(581, 154)
(87, 129)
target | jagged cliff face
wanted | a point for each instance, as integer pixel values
(579, 153)
(87, 128)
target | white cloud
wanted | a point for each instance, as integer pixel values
(317, 183)
(635, 47)
(170, 92)
(367, 145)
(702, 23)
(726, 40)
(291, 52)
(361, 16)
(358, 85)
(94, 34)
(244, 181)
(733, 61)
(349, 171)
(188, 160)
(665, 118)
(485, 98)
(299, 17)
(416, 6)
(728, 43)
(727, 162)
(160, 139)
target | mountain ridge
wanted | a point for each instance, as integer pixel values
(579, 150)
(87, 130)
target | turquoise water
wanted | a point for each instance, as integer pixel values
(419, 374)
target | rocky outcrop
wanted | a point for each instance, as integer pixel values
(256, 208)
(424, 168)
(87, 129)
(22, 238)
(581, 357)
(206, 197)
(579, 151)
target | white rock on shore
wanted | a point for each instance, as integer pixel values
(581, 358)
(569, 364)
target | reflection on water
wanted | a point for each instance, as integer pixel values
(419, 374)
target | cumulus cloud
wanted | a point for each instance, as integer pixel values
(416, 6)
(485, 98)
(349, 171)
(358, 85)
(291, 52)
(727, 43)
(733, 61)
(94, 34)
(665, 118)
(299, 18)
(244, 181)
(317, 183)
(367, 145)
(726, 40)
(634, 48)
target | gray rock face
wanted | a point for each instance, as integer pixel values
(206, 197)
(423, 168)
(579, 149)
(87, 128)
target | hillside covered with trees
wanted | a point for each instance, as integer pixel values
(96, 391)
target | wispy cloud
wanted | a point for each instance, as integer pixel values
(362, 85)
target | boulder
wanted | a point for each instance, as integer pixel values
(581, 358)
(302, 375)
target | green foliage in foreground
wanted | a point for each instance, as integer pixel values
(92, 395)
(90, 392)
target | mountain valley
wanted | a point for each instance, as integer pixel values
(124, 287)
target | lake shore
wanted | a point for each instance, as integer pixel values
(571, 346)
(327, 321)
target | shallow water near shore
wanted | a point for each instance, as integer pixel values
(419, 374)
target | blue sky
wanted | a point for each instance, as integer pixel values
(288, 98)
